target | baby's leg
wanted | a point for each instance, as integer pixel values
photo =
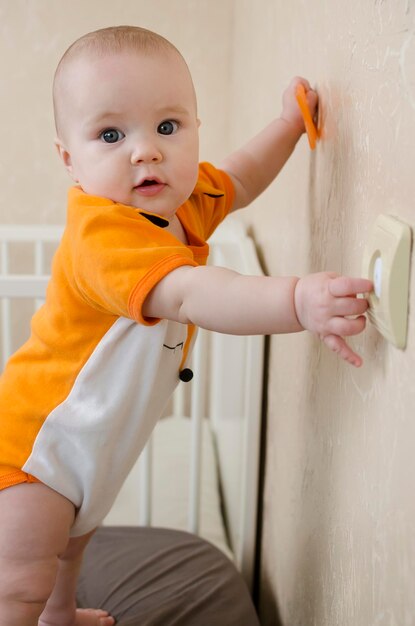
(61, 607)
(34, 530)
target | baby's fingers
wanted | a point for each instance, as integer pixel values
(338, 345)
(350, 306)
(346, 327)
(345, 286)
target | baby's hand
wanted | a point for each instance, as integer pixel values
(290, 110)
(323, 303)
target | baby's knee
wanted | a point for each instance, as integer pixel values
(28, 581)
(25, 587)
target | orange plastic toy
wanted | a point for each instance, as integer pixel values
(305, 112)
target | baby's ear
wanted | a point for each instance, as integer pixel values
(198, 122)
(65, 157)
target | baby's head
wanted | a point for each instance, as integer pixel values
(126, 115)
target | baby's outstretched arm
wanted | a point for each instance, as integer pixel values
(254, 166)
(225, 301)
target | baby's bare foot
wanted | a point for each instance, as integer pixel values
(84, 617)
(93, 617)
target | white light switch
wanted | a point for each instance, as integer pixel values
(386, 262)
(377, 276)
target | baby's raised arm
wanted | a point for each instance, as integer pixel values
(254, 166)
(219, 299)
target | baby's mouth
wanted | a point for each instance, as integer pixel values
(148, 183)
(149, 187)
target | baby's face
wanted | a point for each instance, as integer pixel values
(130, 129)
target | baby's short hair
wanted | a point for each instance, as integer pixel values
(114, 39)
(118, 39)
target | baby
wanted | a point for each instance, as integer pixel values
(129, 285)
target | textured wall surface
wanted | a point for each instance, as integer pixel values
(339, 526)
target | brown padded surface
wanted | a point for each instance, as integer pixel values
(162, 577)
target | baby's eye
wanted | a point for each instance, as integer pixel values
(111, 135)
(168, 127)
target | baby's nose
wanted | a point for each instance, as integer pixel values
(146, 152)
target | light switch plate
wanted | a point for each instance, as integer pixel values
(386, 262)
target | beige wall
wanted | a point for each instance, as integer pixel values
(339, 527)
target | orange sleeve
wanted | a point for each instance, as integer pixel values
(119, 256)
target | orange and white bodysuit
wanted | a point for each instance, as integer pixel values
(79, 400)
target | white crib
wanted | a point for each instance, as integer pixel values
(199, 471)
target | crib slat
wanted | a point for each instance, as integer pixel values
(39, 262)
(5, 308)
(23, 286)
(196, 412)
(244, 556)
(179, 401)
(146, 483)
(31, 233)
(5, 330)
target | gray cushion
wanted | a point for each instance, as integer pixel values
(162, 577)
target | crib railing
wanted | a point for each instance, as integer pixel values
(12, 285)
